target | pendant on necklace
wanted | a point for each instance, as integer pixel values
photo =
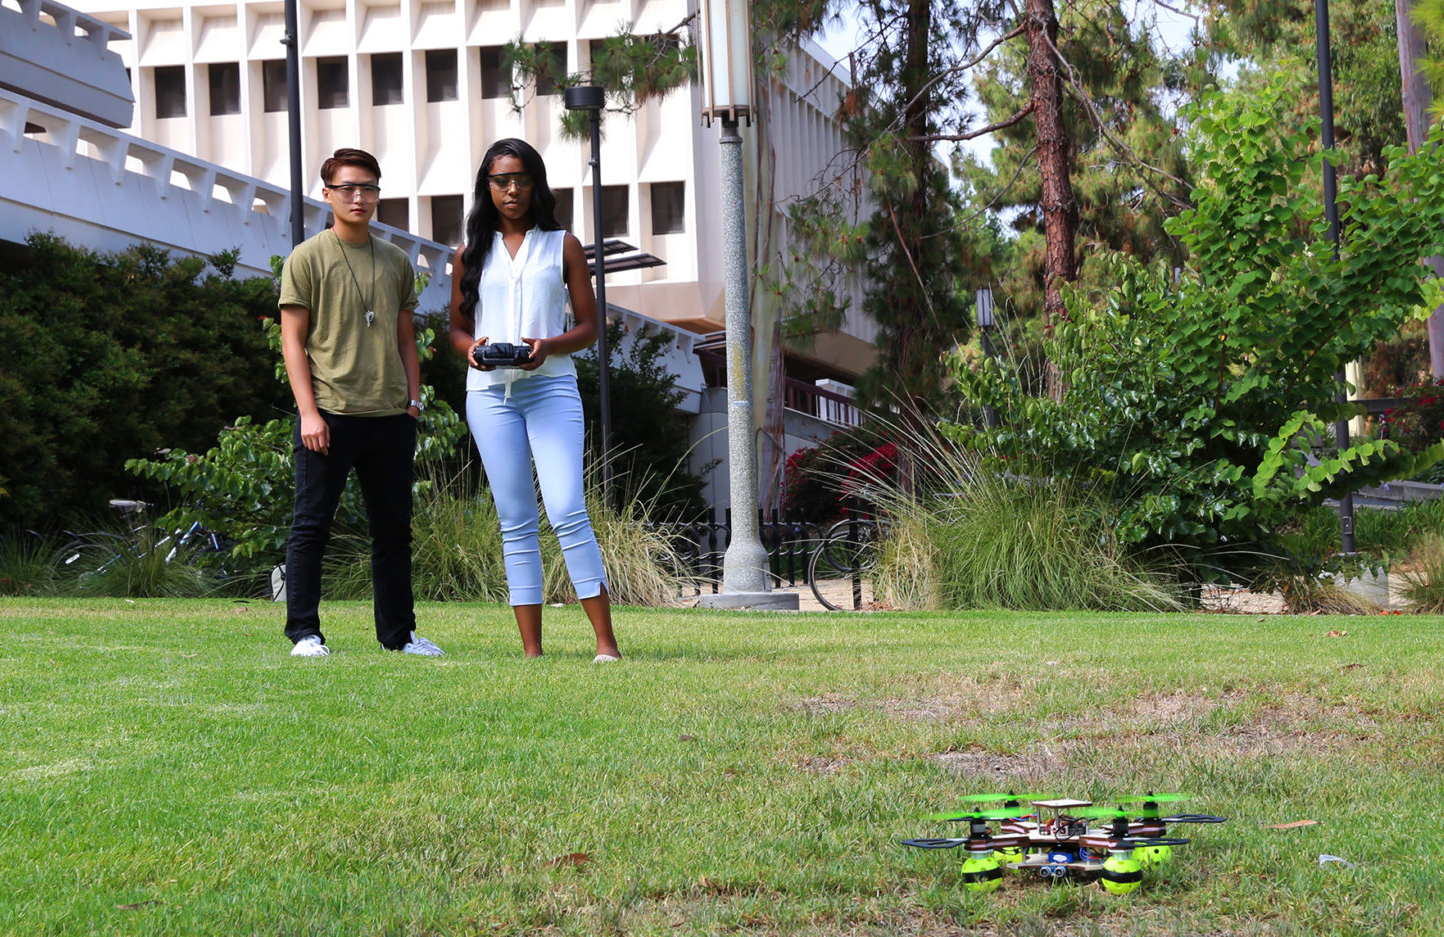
(370, 318)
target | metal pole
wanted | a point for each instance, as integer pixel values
(604, 395)
(990, 415)
(746, 582)
(1331, 212)
(293, 122)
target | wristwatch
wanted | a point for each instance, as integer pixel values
(417, 404)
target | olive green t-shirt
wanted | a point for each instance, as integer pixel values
(355, 359)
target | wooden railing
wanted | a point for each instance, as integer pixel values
(825, 405)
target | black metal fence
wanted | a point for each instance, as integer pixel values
(799, 552)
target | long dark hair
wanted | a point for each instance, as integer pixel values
(481, 224)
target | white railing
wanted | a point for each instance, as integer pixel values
(104, 188)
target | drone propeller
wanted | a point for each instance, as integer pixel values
(1100, 813)
(1010, 797)
(1194, 818)
(926, 843)
(1139, 842)
(974, 815)
(1152, 798)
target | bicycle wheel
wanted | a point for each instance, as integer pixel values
(848, 549)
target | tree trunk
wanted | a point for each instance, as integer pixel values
(1060, 210)
(1416, 123)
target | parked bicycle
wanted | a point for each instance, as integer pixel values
(140, 557)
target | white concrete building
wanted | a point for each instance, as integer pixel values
(420, 84)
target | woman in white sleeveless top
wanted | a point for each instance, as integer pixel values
(511, 282)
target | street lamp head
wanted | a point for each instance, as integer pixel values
(726, 60)
(985, 308)
(584, 98)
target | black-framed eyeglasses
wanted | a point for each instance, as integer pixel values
(349, 190)
(501, 181)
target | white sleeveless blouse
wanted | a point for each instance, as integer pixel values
(522, 296)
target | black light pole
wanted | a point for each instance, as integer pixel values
(293, 121)
(985, 325)
(591, 99)
(1331, 212)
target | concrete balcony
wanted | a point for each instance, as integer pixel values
(105, 189)
(62, 57)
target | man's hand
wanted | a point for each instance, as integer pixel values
(315, 434)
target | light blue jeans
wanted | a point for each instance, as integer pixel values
(541, 423)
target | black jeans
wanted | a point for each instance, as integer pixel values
(381, 450)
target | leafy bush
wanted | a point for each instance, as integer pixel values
(648, 436)
(822, 483)
(104, 357)
(1197, 407)
(243, 487)
(1418, 422)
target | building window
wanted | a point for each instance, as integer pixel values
(170, 91)
(446, 219)
(332, 86)
(225, 81)
(495, 80)
(440, 75)
(668, 210)
(273, 85)
(395, 212)
(564, 208)
(616, 221)
(386, 78)
(551, 66)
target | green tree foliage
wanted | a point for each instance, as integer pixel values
(648, 436)
(633, 68)
(909, 90)
(105, 357)
(1194, 404)
(1272, 36)
(1128, 165)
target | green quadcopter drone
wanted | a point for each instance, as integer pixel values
(1063, 839)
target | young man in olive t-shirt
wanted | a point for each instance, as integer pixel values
(346, 303)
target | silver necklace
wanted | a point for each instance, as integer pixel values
(370, 303)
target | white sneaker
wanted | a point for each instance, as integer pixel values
(425, 648)
(310, 646)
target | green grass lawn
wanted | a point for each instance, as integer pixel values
(167, 768)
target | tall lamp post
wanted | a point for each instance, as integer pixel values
(1331, 212)
(293, 124)
(727, 94)
(591, 98)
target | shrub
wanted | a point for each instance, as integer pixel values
(104, 357)
(134, 563)
(456, 550)
(822, 484)
(1424, 579)
(648, 436)
(960, 535)
(27, 564)
(243, 487)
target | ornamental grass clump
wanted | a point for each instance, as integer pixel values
(959, 536)
(135, 564)
(27, 564)
(456, 550)
(1424, 578)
